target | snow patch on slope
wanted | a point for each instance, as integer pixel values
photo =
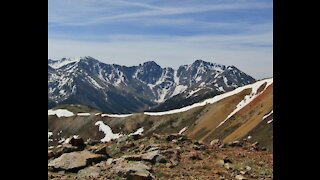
(225, 81)
(109, 135)
(94, 83)
(62, 140)
(248, 98)
(212, 100)
(120, 79)
(221, 89)
(162, 94)
(183, 130)
(116, 115)
(49, 134)
(59, 63)
(192, 92)
(176, 79)
(83, 114)
(267, 115)
(199, 78)
(179, 89)
(60, 113)
(138, 131)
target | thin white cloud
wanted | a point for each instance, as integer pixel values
(96, 12)
(246, 43)
(221, 40)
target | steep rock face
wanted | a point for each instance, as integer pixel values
(119, 89)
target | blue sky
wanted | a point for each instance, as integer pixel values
(170, 32)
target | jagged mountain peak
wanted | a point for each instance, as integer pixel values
(56, 64)
(150, 63)
(122, 89)
(198, 62)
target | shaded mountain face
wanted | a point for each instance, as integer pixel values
(120, 89)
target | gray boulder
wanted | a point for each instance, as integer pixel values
(75, 161)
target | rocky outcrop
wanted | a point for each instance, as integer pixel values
(74, 161)
(133, 170)
(161, 157)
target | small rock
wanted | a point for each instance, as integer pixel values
(133, 157)
(127, 146)
(255, 144)
(124, 138)
(160, 159)
(92, 172)
(182, 138)
(92, 142)
(157, 136)
(195, 156)
(263, 149)
(253, 175)
(172, 136)
(241, 154)
(243, 172)
(153, 157)
(113, 150)
(109, 161)
(214, 142)
(240, 177)
(197, 143)
(248, 168)
(173, 162)
(152, 147)
(136, 136)
(50, 154)
(200, 147)
(263, 173)
(223, 145)
(141, 146)
(101, 149)
(65, 148)
(235, 143)
(227, 160)
(78, 142)
(135, 170)
(227, 165)
(61, 172)
(169, 165)
(220, 162)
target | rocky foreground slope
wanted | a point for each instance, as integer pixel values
(172, 156)
(229, 136)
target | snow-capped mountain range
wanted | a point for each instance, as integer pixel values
(119, 89)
